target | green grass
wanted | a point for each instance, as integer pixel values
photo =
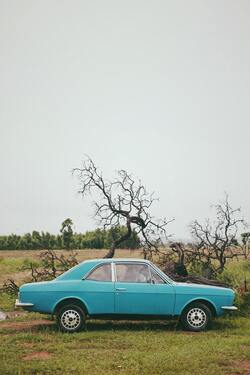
(10, 264)
(128, 348)
(13, 268)
(7, 302)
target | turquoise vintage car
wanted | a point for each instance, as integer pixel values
(124, 289)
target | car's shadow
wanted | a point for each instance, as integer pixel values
(49, 325)
(143, 325)
(118, 325)
(158, 325)
(121, 325)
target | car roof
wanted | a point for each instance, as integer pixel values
(84, 267)
(108, 260)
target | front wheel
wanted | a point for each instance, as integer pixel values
(196, 317)
(71, 318)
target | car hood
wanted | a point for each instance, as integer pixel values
(191, 288)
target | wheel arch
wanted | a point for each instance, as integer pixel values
(204, 301)
(70, 300)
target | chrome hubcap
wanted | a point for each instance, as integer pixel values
(196, 317)
(70, 319)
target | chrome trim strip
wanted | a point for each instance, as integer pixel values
(113, 272)
(150, 274)
(229, 308)
(23, 304)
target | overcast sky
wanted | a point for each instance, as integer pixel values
(159, 88)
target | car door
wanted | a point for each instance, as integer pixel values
(98, 290)
(136, 293)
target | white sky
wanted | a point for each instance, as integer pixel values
(159, 88)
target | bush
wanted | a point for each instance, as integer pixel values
(237, 275)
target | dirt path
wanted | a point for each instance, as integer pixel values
(28, 325)
(37, 355)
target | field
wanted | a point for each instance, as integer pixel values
(31, 343)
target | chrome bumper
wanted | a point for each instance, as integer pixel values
(23, 304)
(229, 308)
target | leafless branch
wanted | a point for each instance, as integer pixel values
(217, 240)
(123, 201)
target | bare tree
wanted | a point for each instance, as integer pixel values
(10, 287)
(179, 249)
(216, 241)
(123, 201)
(245, 238)
(50, 266)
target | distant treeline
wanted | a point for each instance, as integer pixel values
(96, 239)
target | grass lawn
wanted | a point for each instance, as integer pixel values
(31, 344)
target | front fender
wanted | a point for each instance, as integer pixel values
(179, 309)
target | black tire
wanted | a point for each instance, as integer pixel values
(196, 317)
(71, 318)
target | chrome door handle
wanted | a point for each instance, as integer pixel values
(120, 289)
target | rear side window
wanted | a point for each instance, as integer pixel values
(132, 273)
(101, 273)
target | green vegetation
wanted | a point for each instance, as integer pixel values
(125, 348)
(12, 265)
(7, 302)
(236, 274)
(96, 239)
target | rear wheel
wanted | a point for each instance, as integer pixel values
(71, 318)
(196, 317)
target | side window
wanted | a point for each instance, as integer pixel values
(156, 279)
(132, 273)
(101, 273)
